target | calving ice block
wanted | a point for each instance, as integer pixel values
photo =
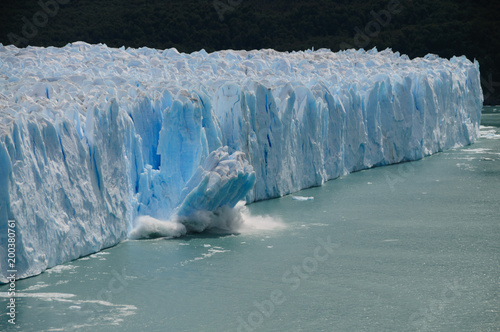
(99, 143)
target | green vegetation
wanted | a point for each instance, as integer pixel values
(443, 27)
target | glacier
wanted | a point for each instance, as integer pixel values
(98, 144)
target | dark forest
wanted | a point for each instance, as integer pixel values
(415, 28)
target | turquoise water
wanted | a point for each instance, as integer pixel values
(409, 247)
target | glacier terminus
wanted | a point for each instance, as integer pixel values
(102, 144)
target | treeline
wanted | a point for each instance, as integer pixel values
(443, 27)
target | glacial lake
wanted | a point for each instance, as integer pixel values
(408, 247)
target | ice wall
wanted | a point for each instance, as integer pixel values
(95, 140)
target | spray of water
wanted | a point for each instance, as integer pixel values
(223, 220)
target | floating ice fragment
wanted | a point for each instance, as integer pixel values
(302, 198)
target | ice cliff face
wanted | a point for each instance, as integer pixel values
(98, 143)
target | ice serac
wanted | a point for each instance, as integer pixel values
(98, 143)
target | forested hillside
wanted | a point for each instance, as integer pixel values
(443, 27)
